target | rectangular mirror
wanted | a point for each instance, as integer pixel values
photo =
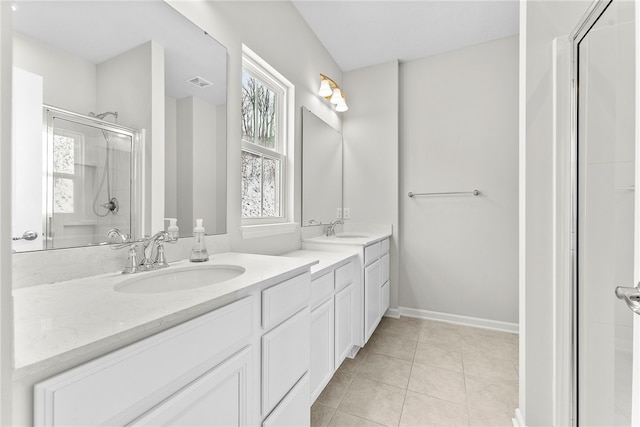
(321, 170)
(97, 87)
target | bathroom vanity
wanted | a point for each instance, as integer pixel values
(233, 353)
(334, 302)
(373, 255)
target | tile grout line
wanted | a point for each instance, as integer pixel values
(406, 390)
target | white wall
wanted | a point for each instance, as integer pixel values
(459, 132)
(69, 81)
(370, 133)
(542, 21)
(138, 75)
(196, 159)
(170, 158)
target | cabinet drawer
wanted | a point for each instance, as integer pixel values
(285, 358)
(344, 275)
(294, 410)
(321, 288)
(281, 301)
(136, 378)
(371, 253)
(384, 246)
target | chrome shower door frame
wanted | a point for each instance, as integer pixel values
(136, 178)
(588, 20)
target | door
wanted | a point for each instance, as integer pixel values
(607, 220)
(345, 303)
(371, 298)
(321, 367)
(218, 398)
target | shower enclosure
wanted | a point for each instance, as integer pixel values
(89, 164)
(606, 218)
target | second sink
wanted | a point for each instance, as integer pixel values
(178, 279)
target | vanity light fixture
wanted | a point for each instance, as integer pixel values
(331, 91)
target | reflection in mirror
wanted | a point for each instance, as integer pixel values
(321, 170)
(114, 72)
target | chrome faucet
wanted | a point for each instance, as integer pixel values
(126, 242)
(331, 228)
(148, 262)
(156, 241)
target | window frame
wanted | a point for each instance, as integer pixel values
(257, 68)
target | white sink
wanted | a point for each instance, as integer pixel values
(350, 236)
(178, 279)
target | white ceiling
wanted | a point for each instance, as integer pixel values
(359, 33)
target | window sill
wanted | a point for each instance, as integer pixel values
(265, 230)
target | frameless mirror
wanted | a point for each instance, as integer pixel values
(321, 170)
(97, 87)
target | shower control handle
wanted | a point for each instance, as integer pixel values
(27, 235)
(631, 296)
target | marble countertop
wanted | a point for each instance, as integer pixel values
(350, 238)
(326, 259)
(60, 322)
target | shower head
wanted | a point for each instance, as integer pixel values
(101, 116)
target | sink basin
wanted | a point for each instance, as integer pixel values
(178, 279)
(350, 235)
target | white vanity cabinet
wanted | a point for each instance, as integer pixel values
(332, 328)
(163, 377)
(243, 364)
(369, 294)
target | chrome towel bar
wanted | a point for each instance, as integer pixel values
(474, 192)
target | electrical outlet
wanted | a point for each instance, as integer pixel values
(346, 213)
(339, 213)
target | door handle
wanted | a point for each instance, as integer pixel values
(631, 296)
(28, 235)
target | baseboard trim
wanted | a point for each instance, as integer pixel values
(518, 420)
(392, 312)
(461, 320)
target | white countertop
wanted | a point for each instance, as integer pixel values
(327, 260)
(60, 322)
(350, 238)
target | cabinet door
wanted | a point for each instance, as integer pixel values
(285, 358)
(384, 298)
(384, 268)
(294, 410)
(221, 397)
(344, 315)
(371, 298)
(321, 367)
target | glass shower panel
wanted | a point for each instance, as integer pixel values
(90, 183)
(606, 216)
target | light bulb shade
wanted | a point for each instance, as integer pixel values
(341, 107)
(325, 88)
(336, 97)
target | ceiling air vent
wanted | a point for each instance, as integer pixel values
(199, 82)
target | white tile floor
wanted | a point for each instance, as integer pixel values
(415, 372)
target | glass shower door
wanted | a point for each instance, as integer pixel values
(607, 243)
(90, 172)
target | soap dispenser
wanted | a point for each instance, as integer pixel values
(199, 250)
(173, 230)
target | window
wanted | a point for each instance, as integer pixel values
(266, 122)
